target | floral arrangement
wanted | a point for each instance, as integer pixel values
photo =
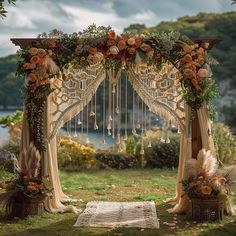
(204, 180)
(39, 64)
(27, 184)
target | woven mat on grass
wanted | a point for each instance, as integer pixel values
(119, 214)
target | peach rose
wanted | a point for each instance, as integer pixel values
(50, 53)
(145, 47)
(202, 73)
(34, 60)
(114, 50)
(121, 45)
(32, 77)
(92, 50)
(111, 35)
(131, 41)
(206, 190)
(188, 58)
(201, 60)
(187, 48)
(188, 72)
(41, 52)
(131, 50)
(33, 51)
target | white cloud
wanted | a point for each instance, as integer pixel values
(31, 17)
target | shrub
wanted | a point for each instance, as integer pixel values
(116, 160)
(225, 143)
(159, 155)
(74, 155)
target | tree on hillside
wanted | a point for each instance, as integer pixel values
(3, 11)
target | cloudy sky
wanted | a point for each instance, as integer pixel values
(31, 17)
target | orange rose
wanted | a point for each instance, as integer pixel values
(187, 48)
(188, 58)
(138, 42)
(206, 190)
(145, 47)
(111, 35)
(201, 60)
(34, 60)
(188, 72)
(41, 61)
(92, 50)
(33, 51)
(121, 45)
(131, 50)
(32, 77)
(131, 41)
(41, 52)
(200, 51)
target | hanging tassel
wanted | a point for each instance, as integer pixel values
(79, 122)
(134, 131)
(95, 126)
(142, 150)
(87, 141)
(118, 139)
(150, 144)
(91, 114)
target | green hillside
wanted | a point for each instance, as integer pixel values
(217, 26)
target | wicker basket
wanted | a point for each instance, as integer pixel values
(24, 206)
(206, 209)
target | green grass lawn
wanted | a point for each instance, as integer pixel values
(114, 185)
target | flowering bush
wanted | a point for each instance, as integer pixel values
(75, 155)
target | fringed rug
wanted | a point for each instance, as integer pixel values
(119, 214)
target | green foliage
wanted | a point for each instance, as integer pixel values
(16, 117)
(115, 160)
(159, 155)
(10, 85)
(3, 11)
(225, 143)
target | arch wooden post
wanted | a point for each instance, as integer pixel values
(196, 135)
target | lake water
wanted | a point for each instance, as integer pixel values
(95, 137)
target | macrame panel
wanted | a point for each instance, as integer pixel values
(73, 94)
(161, 92)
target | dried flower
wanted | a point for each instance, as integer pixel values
(131, 50)
(111, 35)
(145, 47)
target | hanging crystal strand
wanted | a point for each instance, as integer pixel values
(133, 120)
(179, 131)
(142, 129)
(87, 124)
(126, 107)
(167, 128)
(149, 128)
(95, 125)
(163, 133)
(113, 111)
(104, 112)
(138, 122)
(75, 127)
(118, 102)
(92, 113)
(69, 129)
(109, 107)
(145, 120)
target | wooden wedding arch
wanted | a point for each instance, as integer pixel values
(63, 73)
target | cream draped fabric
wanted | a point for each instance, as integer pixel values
(181, 201)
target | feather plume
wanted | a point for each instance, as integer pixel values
(51, 66)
